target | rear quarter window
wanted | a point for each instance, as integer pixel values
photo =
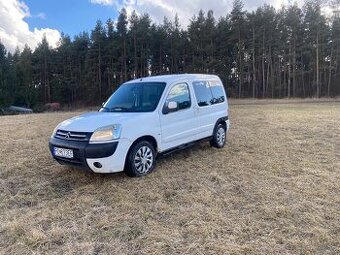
(203, 93)
(217, 91)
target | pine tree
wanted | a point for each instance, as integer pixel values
(111, 57)
(94, 62)
(4, 92)
(237, 18)
(224, 51)
(264, 53)
(315, 27)
(41, 70)
(26, 95)
(80, 48)
(122, 33)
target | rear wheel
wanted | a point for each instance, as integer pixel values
(141, 159)
(219, 136)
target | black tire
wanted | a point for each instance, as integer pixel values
(141, 159)
(219, 136)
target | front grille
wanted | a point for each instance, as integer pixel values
(73, 136)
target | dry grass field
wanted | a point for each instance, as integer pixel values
(274, 189)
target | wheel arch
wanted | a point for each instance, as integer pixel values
(221, 121)
(148, 138)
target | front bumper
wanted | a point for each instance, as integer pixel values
(82, 152)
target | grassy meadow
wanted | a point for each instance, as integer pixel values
(274, 189)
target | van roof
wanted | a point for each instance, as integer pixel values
(173, 77)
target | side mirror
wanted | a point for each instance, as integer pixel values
(172, 106)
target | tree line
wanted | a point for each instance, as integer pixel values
(267, 53)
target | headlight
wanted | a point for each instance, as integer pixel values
(106, 134)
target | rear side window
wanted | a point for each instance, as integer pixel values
(217, 92)
(203, 93)
(180, 94)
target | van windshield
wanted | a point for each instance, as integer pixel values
(135, 97)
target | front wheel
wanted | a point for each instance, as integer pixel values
(219, 136)
(141, 159)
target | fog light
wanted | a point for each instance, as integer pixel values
(97, 165)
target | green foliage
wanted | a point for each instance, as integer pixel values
(290, 52)
(4, 97)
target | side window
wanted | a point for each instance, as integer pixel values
(203, 93)
(180, 94)
(217, 92)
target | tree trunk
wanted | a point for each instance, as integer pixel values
(317, 65)
(48, 88)
(263, 71)
(272, 76)
(135, 56)
(254, 68)
(99, 75)
(280, 76)
(160, 59)
(294, 67)
(289, 68)
(330, 74)
(241, 76)
(303, 84)
(172, 55)
(240, 48)
(141, 60)
(284, 78)
(268, 69)
(124, 58)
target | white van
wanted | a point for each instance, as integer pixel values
(142, 119)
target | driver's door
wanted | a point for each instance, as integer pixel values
(178, 127)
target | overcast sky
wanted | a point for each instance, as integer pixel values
(27, 21)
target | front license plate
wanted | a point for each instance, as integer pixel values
(64, 153)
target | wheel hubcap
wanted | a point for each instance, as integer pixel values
(143, 159)
(220, 136)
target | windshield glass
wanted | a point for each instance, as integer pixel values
(135, 97)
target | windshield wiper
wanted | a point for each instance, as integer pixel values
(119, 109)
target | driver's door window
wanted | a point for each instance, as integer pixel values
(181, 95)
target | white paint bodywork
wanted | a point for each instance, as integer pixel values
(169, 130)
